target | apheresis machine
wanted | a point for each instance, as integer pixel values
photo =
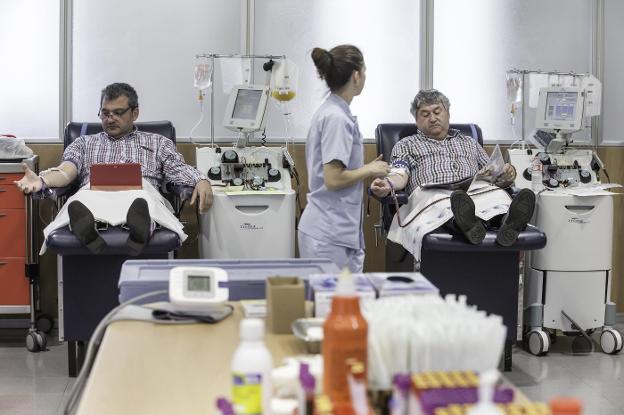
(253, 214)
(567, 284)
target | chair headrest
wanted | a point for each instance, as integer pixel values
(387, 135)
(74, 129)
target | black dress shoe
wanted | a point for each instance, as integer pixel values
(464, 217)
(519, 214)
(82, 224)
(139, 222)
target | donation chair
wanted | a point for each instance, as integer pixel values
(87, 283)
(488, 274)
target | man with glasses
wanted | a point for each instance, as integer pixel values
(438, 155)
(120, 142)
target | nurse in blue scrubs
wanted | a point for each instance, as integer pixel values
(331, 224)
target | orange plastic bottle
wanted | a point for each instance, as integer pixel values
(566, 406)
(344, 337)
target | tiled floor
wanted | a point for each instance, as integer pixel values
(31, 383)
(597, 379)
(37, 383)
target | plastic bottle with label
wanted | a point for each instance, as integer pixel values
(486, 405)
(251, 370)
(345, 333)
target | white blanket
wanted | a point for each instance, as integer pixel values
(112, 208)
(489, 201)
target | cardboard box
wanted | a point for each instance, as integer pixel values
(285, 303)
(388, 284)
(323, 288)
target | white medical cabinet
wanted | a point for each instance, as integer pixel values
(253, 213)
(567, 284)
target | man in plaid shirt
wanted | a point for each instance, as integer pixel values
(121, 142)
(437, 154)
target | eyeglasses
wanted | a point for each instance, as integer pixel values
(103, 114)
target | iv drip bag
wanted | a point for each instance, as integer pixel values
(203, 72)
(284, 80)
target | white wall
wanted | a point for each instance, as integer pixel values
(29, 68)
(387, 32)
(612, 102)
(150, 44)
(477, 41)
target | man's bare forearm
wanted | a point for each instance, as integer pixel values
(398, 177)
(60, 176)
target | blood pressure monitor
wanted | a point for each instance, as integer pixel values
(198, 288)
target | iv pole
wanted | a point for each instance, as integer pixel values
(213, 57)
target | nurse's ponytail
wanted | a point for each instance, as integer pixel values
(336, 65)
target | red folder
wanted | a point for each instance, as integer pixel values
(116, 176)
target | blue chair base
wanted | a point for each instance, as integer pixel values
(488, 274)
(89, 283)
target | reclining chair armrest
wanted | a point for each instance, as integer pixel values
(183, 192)
(54, 193)
(177, 194)
(401, 196)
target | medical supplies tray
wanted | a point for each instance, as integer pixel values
(310, 330)
(246, 277)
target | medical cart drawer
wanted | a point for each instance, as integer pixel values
(10, 196)
(12, 225)
(12, 238)
(13, 282)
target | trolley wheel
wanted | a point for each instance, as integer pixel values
(611, 341)
(44, 323)
(537, 342)
(42, 339)
(36, 341)
(31, 342)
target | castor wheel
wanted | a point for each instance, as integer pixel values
(36, 341)
(537, 342)
(611, 341)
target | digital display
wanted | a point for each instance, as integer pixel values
(561, 106)
(198, 283)
(246, 104)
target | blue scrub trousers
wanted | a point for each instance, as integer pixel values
(342, 256)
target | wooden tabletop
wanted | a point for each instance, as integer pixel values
(147, 368)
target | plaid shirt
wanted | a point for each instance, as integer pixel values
(438, 161)
(159, 159)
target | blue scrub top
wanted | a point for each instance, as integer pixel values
(333, 216)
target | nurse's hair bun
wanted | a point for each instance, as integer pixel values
(322, 60)
(336, 65)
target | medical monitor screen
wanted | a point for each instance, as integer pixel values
(560, 109)
(198, 283)
(246, 104)
(561, 106)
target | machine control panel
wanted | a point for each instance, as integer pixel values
(571, 168)
(253, 168)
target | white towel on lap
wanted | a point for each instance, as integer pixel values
(112, 207)
(487, 205)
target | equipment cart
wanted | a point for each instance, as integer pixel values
(19, 265)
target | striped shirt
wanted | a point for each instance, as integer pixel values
(158, 156)
(438, 161)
